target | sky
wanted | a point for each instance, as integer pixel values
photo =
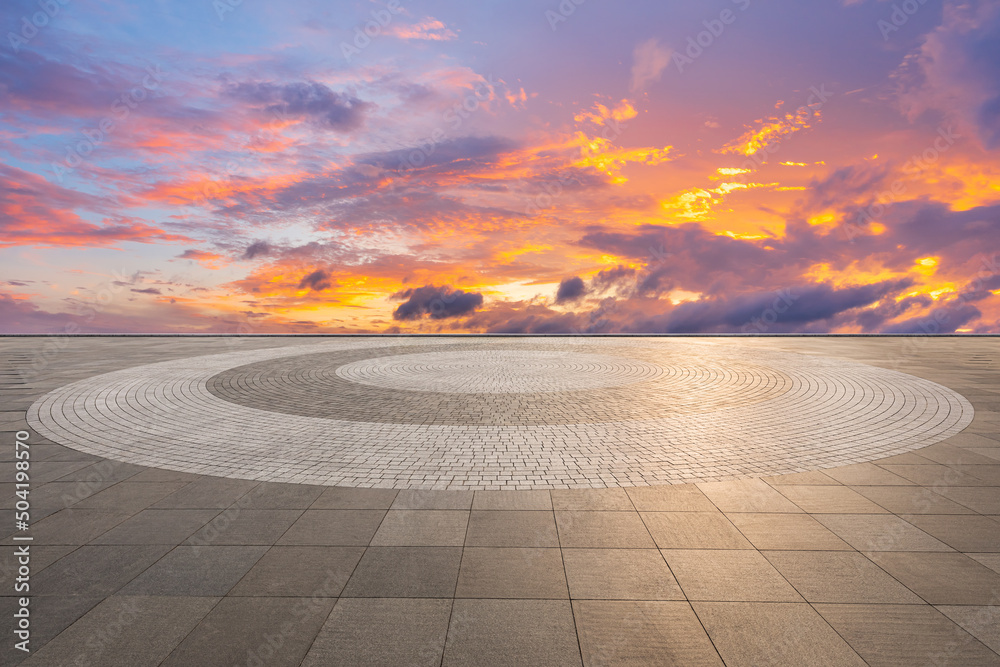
(525, 166)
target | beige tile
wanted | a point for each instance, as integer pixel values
(621, 530)
(971, 533)
(728, 575)
(524, 573)
(746, 495)
(619, 574)
(694, 530)
(880, 532)
(942, 578)
(787, 532)
(867, 474)
(982, 622)
(677, 498)
(591, 499)
(838, 576)
(829, 499)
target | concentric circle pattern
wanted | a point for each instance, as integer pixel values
(486, 413)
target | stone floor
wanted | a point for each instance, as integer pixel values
(887, 560)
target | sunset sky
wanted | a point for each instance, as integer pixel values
(238, 166)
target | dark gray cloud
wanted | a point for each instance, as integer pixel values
(304, 100)
(438, 302)
(570, 289)
(318, 280)
(256, 249)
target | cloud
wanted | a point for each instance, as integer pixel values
(570, 289)
(429, 29)
(649, 59)
(318, 280)
(148, 290)
(256, 249)
(304, 100)
(438, 302)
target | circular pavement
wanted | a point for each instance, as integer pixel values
(501, 413)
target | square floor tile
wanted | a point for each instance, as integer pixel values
(839, 576)
(786, 531)
(207, 493)
(621, 530)
(614, 499)
(982, 622)
(50, 615)
(390, 632)
(746, 495)
(343, 498)
(829, 499)
(982, 499)
(308, 571)
(903, 635)
(96, 570)
(866, 474)
(334, 528)
(512, 632)
(512, 500)
(280, 496)
(157, 527)
(694, 530)
(619, 574)
(489, 572)
(963, 532)
(268, 631)
(148, 630)
(245, 526)
(911, 500)
(190, 570)
(400, 572)
(642, 633)
(728, 575)
(942, 578)
(755, 633)
(880, 532)
(75, 526)
(415, 499)
(129, 496)
(676, 498)
(521, 528)
(422, 528)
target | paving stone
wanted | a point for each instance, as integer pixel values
(342, 498)
(207, 493)
(642, 633)
(728, 575)
(591, 499)
(263, 630)
(880, 532)
(96, 570)
(417, 499)
(125, 631)
(212, 570)
(75, 526)
(679, 498)
(513, 528)
(619, 574)
(129, 496)
(964, 533)
(618, 530)
(746, 495)
(982, 622)
(512, 500)
(422, 528)
(905, 635)
(867, 474)
(768, 633)
(942, 578)
(911, 500)
(512, 632)
(236, 525)
(512, 572)
(788, 532)
(693, 530)
(392, 632)
(334, 527)
(839, 576)
(394, 572)
(982, 499)
(276, 496)
(829, 499)
(50, 615)
(152, 526)
(300, 572)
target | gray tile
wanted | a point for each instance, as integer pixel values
(942, 578)
(904, 635)
(880, 532)
(129, 496)
(642, 633)
(614, 499)
(125, 631)
(422, 528)
(390, 632)
(96, 570)
(236, 525)
(512, 500)
(787, 532)
(620, 530)
(75, 526)
(693, 530)
(397, 572)
(512, 632)
(300, 571)
(279, 496)
(728, 575)
(746, 495)
(341, 498)
(49, 616)
(410, 499)
(207, 493)
(515, 528)
(189, 570)
(157, 527)
(265, 631)
(755, 633)
(619, 574)
(839, 576)
(991, 561)
(334, 527)
(512, 572)
(677, 498)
